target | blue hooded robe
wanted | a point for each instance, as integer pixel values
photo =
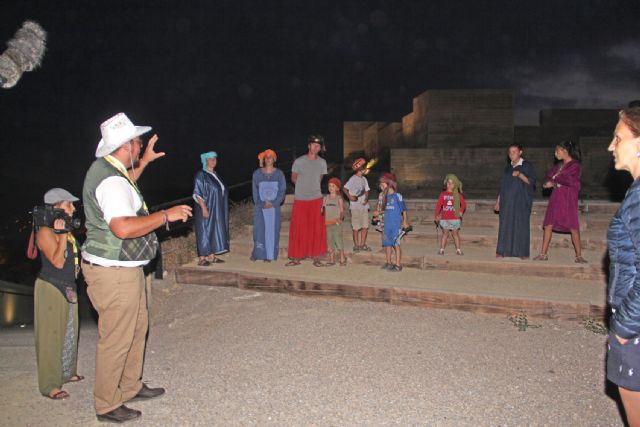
(212, 234)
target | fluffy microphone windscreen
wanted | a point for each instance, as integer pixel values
(24, 53)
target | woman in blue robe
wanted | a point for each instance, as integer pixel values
(514, 204)
(268, 188)
(211, 211)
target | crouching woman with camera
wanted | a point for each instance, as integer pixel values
(55, 296)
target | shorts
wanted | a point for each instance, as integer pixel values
(623, 362)
(390, 236)
(450, 224)
(359, 219)
(334, 237)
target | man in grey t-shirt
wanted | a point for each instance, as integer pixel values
(307, 232)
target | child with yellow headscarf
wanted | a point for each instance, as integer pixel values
(449, 211)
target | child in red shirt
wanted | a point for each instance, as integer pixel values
(449, 211)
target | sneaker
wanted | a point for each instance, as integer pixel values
(386, 266)
(356, 249)
(441, 251)
(395, 268)
(459, 252)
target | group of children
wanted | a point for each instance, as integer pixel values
(390, 215)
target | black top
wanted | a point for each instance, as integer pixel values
(65, 276)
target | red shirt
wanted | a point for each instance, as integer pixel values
(445, 204)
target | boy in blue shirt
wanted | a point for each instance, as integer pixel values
(395, 220)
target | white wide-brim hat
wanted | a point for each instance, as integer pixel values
(116, 131)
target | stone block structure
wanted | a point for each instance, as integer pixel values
(467, 132)
(422, 169)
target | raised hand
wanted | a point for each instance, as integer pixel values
(149, 153)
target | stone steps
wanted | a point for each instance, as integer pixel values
(477, 259)
(547, 297)
(477, 281)
(470, 236)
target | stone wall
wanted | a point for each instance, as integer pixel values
(420, 171)
(557, 125)
(352, 137)
(467, 132)
(414, 125)
(469, 118)
(370, 137)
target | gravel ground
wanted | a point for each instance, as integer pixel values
(230, 357)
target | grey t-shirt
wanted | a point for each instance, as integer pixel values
(309, 175)
(358, 186)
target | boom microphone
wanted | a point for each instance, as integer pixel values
(24, 53)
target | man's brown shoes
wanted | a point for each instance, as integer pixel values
(120, 415)
(147, 393)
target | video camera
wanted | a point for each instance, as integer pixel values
(44, 216)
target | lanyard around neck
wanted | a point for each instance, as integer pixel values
(74, 245)
(116, 164)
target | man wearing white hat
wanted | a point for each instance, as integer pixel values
(120, 241)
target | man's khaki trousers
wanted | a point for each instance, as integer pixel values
(118, 294)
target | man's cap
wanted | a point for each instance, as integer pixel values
(56, 195)
(315, 139)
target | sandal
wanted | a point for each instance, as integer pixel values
(581, 260)
(317, 263)
(542, 257)
(58, 395)
(75, 378)
(216, 260)
(329, 264)
(395, 268)
(365, 248)
(203, 263)
(343, 263)
(292, 263)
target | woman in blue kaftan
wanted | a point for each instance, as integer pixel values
(211, 212)
(269, 188)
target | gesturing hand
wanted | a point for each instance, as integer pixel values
(179, 213)
(149, 154)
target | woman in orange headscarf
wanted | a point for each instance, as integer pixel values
(269, 188)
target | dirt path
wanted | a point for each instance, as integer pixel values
(240, 358)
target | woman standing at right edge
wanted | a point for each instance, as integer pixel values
(623, 357)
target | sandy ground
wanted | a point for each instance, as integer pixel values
(230, 357)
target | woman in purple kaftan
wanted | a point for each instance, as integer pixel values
(562, 209)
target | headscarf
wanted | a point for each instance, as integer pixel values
(457, 189)
(266, 153)
(389, 179)
(358, 163)
(205, 156)
(336, 182)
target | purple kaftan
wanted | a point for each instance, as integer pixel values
(562, 210)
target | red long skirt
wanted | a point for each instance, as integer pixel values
(307, 232)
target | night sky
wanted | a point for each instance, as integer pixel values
(238, 77)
